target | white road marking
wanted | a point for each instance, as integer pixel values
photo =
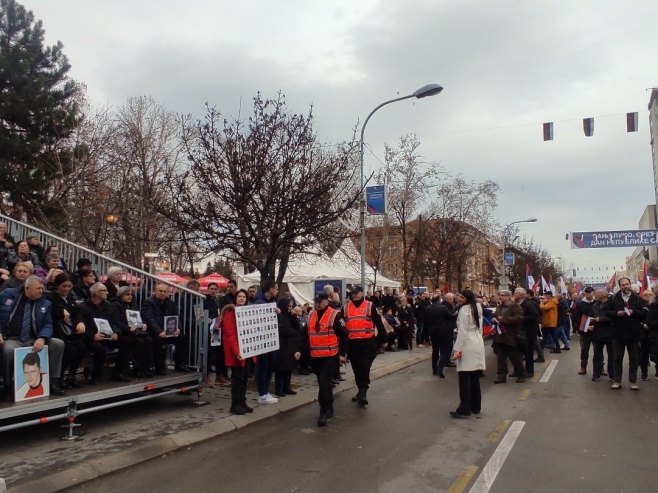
(486, 479)
(549, 371)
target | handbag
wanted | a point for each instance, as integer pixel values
(65, 329)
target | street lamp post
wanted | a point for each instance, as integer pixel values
(112, 220)
(423, 92)
(504, 280)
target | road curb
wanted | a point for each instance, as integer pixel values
(96, 468)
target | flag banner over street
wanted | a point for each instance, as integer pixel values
(614, 239)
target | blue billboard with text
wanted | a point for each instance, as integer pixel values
(614, 239)
(376, 199)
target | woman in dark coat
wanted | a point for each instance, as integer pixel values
(290, 343)
(405, 315)
(142, 342)
(64, 308)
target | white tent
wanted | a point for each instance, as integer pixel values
(301, 274)
(348, 256)
(304, 270)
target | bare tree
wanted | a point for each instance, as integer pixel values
(462, 218)
(121, 160)
(261, 189)
(409, 179)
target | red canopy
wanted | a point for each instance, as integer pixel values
(218, 279)
(171, 277)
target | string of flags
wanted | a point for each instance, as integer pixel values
(588, 126)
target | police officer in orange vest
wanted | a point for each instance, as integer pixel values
(327, 338)
(364, 331)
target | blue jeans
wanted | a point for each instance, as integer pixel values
(264, 371)
(561, 335)
(420, 328)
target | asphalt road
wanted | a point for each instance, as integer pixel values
(573, 435)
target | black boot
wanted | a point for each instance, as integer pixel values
(330, 412)
(56, 387)
(322, 419)
(363, 401)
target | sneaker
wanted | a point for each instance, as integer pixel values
(635, 387)
(267, 399)
(582, 371)
(615, 386)
(645, 378)
(566, 348)
(595, 379)
(421, 345)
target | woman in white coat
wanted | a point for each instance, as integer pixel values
(468, 352)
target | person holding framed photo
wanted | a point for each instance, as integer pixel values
(97, 318)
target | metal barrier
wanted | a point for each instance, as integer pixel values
(192, 317)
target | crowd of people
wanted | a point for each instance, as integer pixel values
(44, 305)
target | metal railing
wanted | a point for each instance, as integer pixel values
(193, 320)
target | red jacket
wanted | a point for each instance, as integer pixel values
(230, 338)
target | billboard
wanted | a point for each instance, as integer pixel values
(614, 239)
(376, 200)
(509, 258)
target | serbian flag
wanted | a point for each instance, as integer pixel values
(610, 286)
(645, 277)
(544, 285)
(536, 286)
(631, 122)
(563, 286)
(588, 126)
(528, 276)
(548, 131)
(551, 286)
(576, 288)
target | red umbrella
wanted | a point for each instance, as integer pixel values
(218, 279)
(171, 277)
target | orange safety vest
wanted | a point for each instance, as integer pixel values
(358, 321)
(322, 339)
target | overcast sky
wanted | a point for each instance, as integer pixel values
(506, 66)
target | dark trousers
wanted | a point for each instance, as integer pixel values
(160, 351)
(99, 349)
(441, 350)
(216, 359)
(74, 353)
(644, 357)
(282, 381)
(633, 349)
(529, 355)
(142, 353)
(470, 397)
(597, 360)
(503, 352)
(238, 386)
(324, 369)
(586, 339)
(361, 355)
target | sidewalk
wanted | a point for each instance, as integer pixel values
(34, 461)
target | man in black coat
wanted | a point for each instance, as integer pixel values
(602, 336)
(584, 308)
(438, 319)
(154, 310)
(422, 302)
(529, 327)
(627, 314)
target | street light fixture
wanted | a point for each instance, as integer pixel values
(504, 280)
(422, 92)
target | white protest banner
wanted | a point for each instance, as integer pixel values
(258, 329)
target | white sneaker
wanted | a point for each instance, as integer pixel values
(267, 399)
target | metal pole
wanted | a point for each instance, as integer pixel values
(362, 207)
